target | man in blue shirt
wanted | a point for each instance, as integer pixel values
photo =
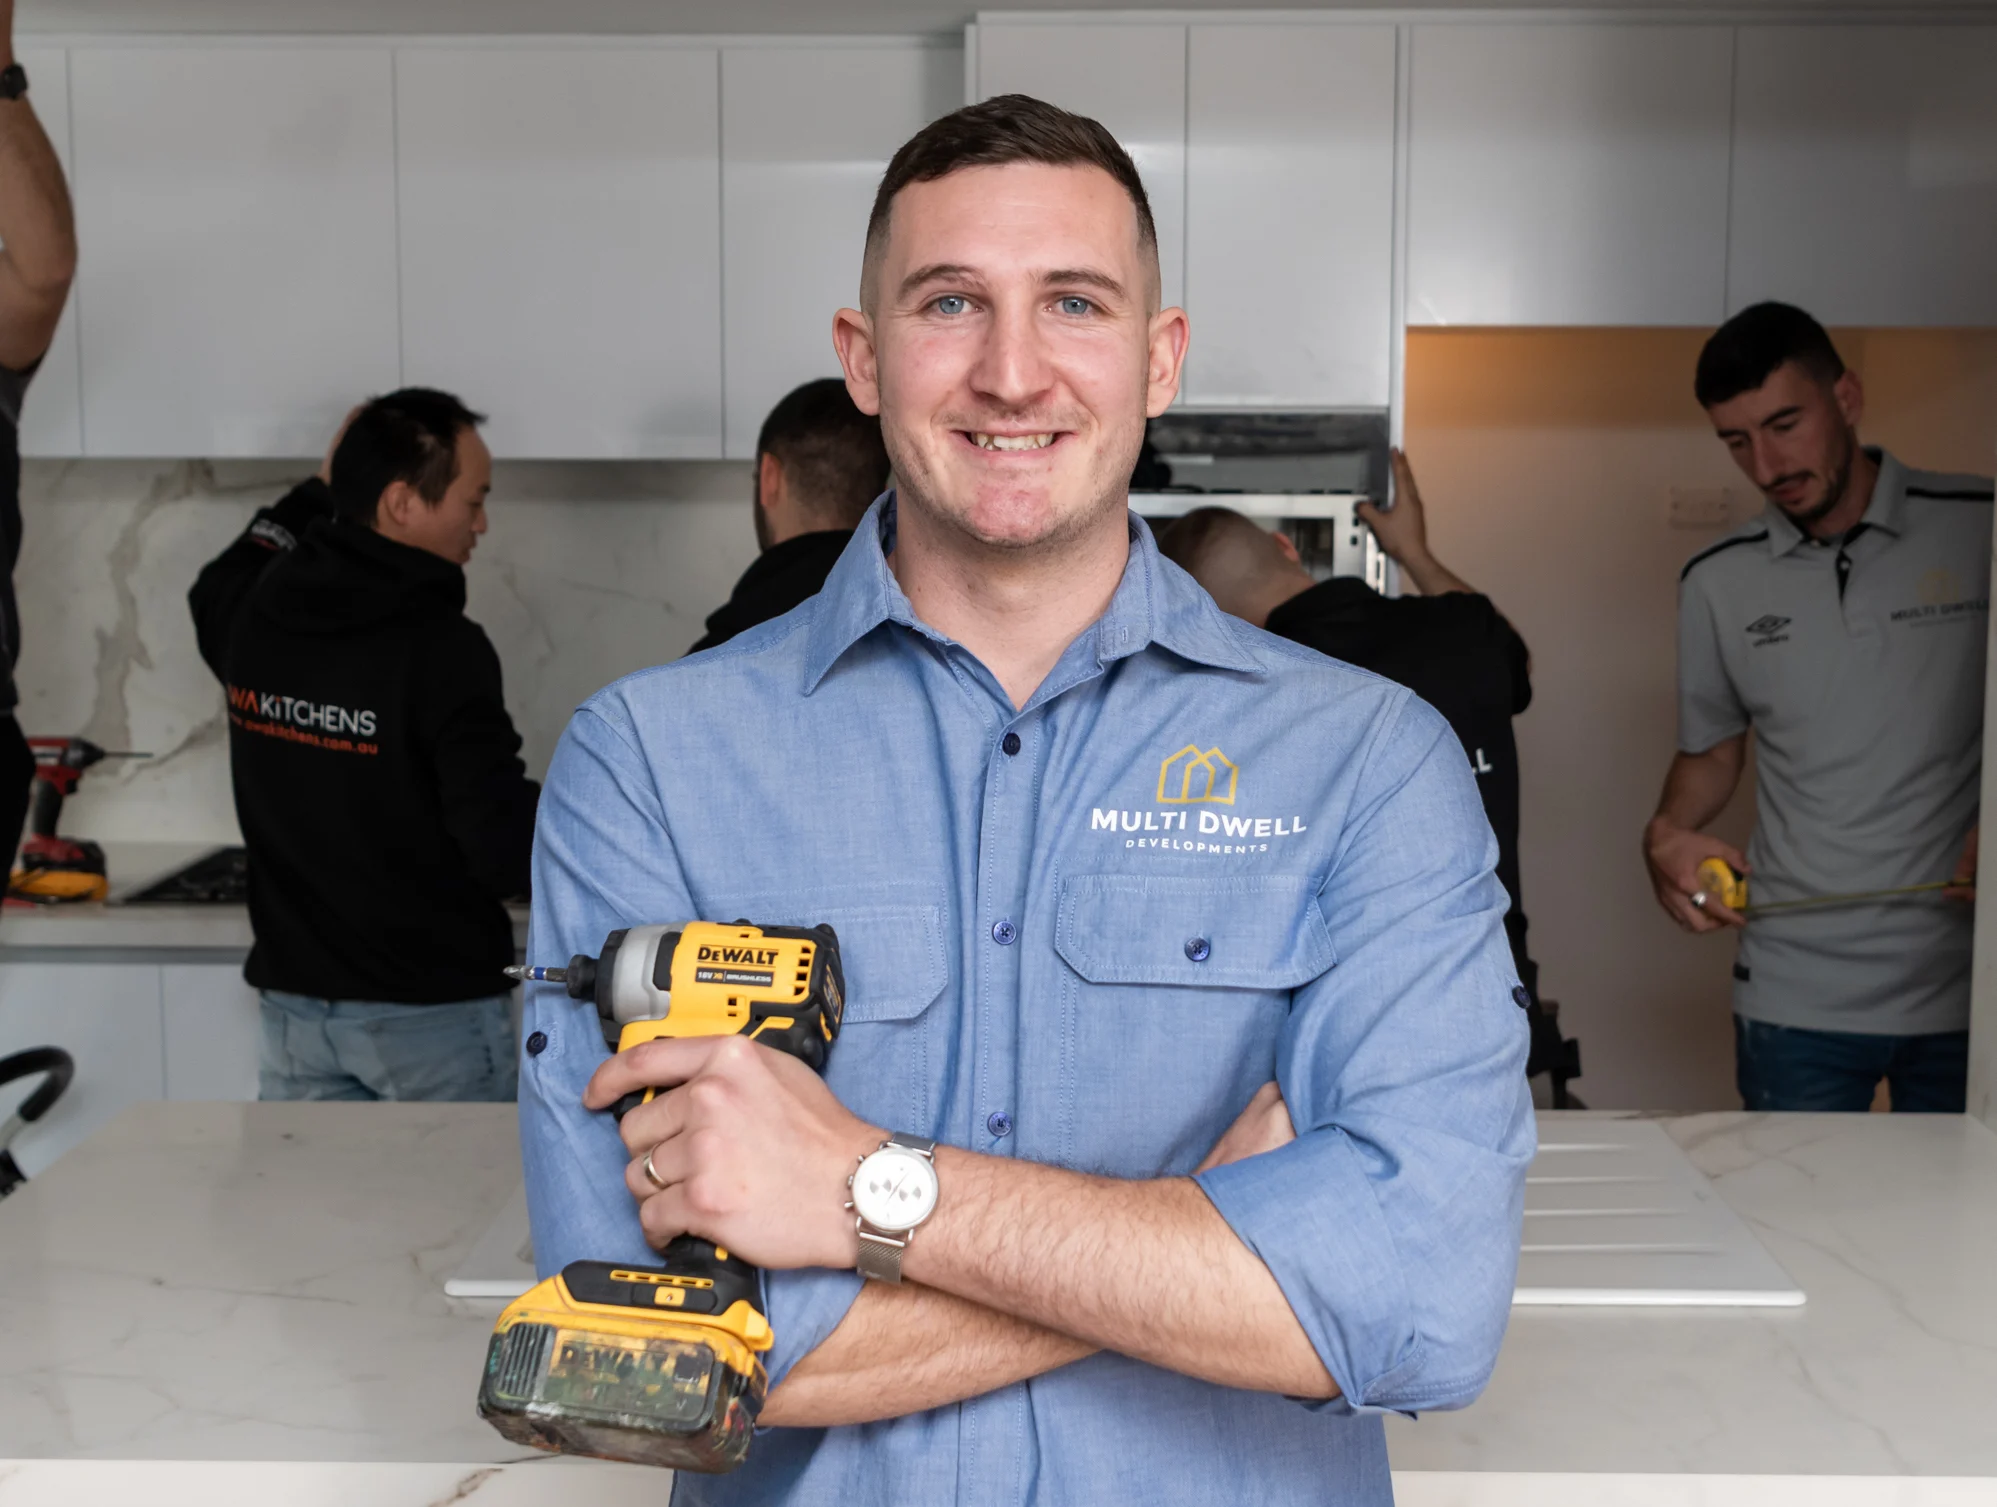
(1183, 942)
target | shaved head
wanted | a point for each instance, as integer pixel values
(1247, 570)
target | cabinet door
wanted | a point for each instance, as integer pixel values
(106, 1016)
(1568, 174)
(561, 243)
(211, 1030)
(1132, 79)
(806, 134)
(1290, 214)
(52, 415)
(1865, 173)
(238, 209)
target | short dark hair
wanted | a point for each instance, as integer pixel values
(411, 436)
(831, 452)
(1744, 352)
(1007, 128)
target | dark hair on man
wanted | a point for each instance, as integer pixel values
(1007, 128)
(1745, 351)
(411, 436)
(832, 454)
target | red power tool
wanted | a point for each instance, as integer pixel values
(56, 870)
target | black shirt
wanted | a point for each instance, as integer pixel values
(13, 388)
(377, 775)
(1457, 653)
(784, 576)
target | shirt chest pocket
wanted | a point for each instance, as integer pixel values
(1253, 932)
(890, 944)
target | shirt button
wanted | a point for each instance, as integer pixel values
(1199, 949)
(999, 1123)
(1010, 743)
(1004, 933)
(1520, 997)
(537, 1043)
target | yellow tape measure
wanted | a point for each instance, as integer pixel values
(1720, 882)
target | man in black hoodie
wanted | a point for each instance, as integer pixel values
(377, 775)
(820, 464)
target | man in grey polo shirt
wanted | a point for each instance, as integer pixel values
(1846, 625)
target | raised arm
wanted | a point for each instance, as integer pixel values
(37, 230)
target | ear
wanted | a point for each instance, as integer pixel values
(1849, 393)
(859, 358)
(769, 482)
(1171, 332)
(1288, 547)
(396, 505)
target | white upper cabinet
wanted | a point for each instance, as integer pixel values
(806, 133)
(1131, 78)
(1568, 174)
(52, 416)
(560, 237)
(236, 209)
(1290, 214)
(1865, 173)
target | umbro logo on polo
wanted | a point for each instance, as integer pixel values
(1767, 629)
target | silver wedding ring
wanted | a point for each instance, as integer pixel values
(1698, 901)
(651, 1174)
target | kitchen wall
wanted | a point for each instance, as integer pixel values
(589, 571)
(1547, 459)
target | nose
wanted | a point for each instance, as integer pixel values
(1767, 459)
(1013, 369)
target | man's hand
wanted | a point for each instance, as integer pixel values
(1403, 533)
(1962, 883)
(325, 472)
(1262, 1126)
(1673, 855)
(752, 1149)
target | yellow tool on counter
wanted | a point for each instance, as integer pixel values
(1718, 879)
(662, 1365)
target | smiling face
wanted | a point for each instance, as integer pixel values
(448, 528)
(1012, 349)
(1796, 438)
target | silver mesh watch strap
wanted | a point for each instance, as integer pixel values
(880, 1252)
(880, 1256)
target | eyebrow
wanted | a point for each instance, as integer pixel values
(1070, 276)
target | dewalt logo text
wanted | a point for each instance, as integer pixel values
(754, 957)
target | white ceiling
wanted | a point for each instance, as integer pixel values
(739, 17)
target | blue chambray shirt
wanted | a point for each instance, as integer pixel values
(1211, 858)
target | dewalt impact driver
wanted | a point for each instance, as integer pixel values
(662, 1365)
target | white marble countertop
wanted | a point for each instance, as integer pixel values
(99, 927)
(263, 1283)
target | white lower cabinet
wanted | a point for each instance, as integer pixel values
(138, 1031)
(106, 1016)
(212, 1031)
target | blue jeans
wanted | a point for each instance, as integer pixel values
(1787, 1067)
(352, 1049)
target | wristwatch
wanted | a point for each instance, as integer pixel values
(13, 81)
(894, 1190)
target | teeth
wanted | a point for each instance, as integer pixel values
(1013, 441)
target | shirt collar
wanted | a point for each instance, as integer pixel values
(1885, 511)
(1154, 603)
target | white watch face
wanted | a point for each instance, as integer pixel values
(895, 1189)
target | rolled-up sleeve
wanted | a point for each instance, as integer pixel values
(604, 859)
(1392, 1222)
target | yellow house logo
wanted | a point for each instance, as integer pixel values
(1190, 777)
(1939, 588)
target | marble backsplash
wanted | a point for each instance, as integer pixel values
(589, 571)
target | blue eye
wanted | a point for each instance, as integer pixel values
(952, 303)
(1074, 305)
